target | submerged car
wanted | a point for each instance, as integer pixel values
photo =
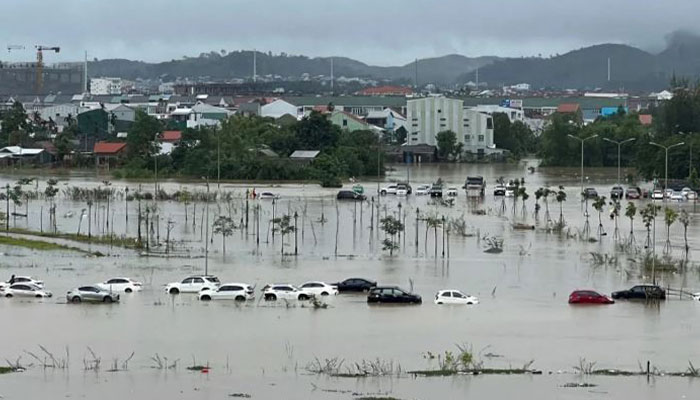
(268, 196)
(452, 191)
(499, 190)
(454, 297)
(643, 292)
(590, 193)
(677, 196)
(633, 193)
(25, 290)
(272, 292)
(350, 195)
(92, 294)
(126, 285)
(355, 285)
(589, 297)
(435, 190)
(22, 279)
(193, 284)
(657, 194)
(229, 291)
(390, 189)
(392, 294)
(617, 192)
(319, 288)
(422, 190)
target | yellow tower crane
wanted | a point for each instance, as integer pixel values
(39, 82)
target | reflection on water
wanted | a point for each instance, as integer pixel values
(523, 313)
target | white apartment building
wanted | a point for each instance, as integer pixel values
(106, 86)
(514, 114)
(428, 116)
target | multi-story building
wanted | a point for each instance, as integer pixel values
(428, 116)
(106, 86)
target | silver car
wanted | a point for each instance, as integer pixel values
(91, 293)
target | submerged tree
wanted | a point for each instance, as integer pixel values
(599, 204)
(285, 227)
(50, 193)
(684, 219)
(648, 214)
(561, 198)
(392, 227)
(670, 216)
(223, 226)
(524, 196)
(614, 214)
(630, 212)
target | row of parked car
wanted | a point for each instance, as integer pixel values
(635, 192)
(208, 287)
(638, 292)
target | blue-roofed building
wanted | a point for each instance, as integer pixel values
(608, 111)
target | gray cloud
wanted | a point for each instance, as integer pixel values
(384, 32)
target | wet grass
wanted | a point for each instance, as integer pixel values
(6, 370)
(36, 244)
(481, 371)
(119, 241)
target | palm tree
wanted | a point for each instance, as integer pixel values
(598, 204)
(670, 216)
(561, 198)
(684, 219)
(615, 213)
(523, 195)
(630, 212)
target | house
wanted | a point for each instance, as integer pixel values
(94, 123)
(514, 114)
(18, 154)
(348, 122)
(278, 108)
(304, 156)
(645, 119)
(431, 115)
(108, 154)
(171, 136)
(385, 91)
(387, 119)
(573, 110)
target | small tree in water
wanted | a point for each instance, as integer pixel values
(598, 204)
(223, 226)
(285, 227)
(670, 216)
(614, 214)
(524, 196)
(561, 198)
(392, 227)
(648, 214)
(630, 212)
(684, 219)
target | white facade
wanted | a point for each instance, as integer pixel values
(106, 86)
(279, 108)
(513, 114)
(428, 116)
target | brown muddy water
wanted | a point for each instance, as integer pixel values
(262, 349)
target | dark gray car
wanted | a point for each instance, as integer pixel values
(93, 294)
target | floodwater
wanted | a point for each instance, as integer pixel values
(262, 349)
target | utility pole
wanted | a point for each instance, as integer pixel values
(666, 148)
(255, 66)
(206, 236)
(85, 75)
(331, 74)
(619, 144)
(415, 82)
(608, 69)
(582, 141)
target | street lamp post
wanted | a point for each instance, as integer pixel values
(582, 141)
(619, 144)
(666, 149)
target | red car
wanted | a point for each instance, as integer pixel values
(589, 297)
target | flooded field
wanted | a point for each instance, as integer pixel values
(262, 349)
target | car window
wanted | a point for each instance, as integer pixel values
(21, 287)
(398, 292)
(21, 279)
(447, 294)
(213, 279)
(115, 281)
(458, 295)
(188, 280)
(198, 280)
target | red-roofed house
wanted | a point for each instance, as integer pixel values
(645, 119)
(171, 136)
(573, 110)
(108, 154)
(385, 91)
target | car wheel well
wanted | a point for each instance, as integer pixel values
(240, 298)
(206, 297)
(174, 291)
(128, 290)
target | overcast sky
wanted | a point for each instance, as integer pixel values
(382, 32)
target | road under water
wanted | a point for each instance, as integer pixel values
(262, 349)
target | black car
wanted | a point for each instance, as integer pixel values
(617, 192)
(436, 190)
(643, 292)
(355, 285)
(590, 193)
(350, 195)
(392, 294)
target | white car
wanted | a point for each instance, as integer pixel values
(193, 284)
(391, 189)
(268, 196)
(22, 279)
(229, 291)
(422, 190)
(657, 195)
(401, 191)
(284, 292)
(454, 297)
(126, 285)
(319, 288)
(25, 290)
(677, 196)
(696, 296)
(452, 191)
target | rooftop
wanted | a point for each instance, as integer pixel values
(108, 148)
